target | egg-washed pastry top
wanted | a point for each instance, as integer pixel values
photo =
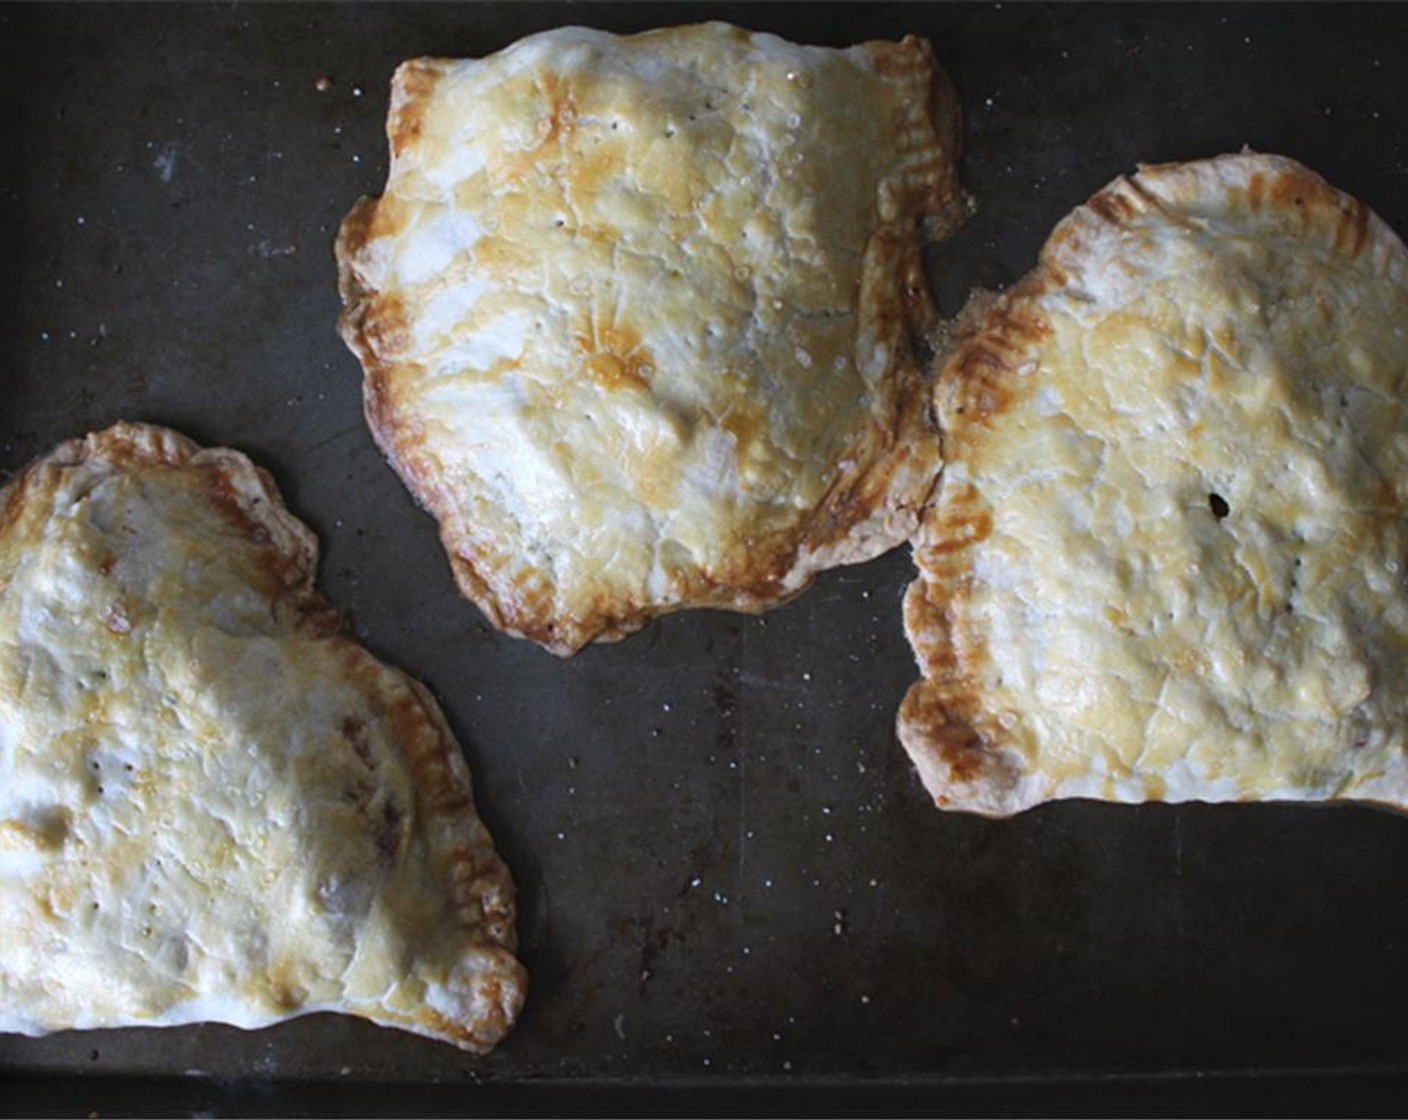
(1167, 555)
(214, 805)
(636, 315)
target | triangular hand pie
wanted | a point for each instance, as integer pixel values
(214, 805)
(1168, 554)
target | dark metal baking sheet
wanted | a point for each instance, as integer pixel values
(729, 875)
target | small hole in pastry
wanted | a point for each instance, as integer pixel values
(1219, 506)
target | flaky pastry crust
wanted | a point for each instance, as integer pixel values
(214, 804)
(637, 315)
(1167, 555)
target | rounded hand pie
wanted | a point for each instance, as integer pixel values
(1167, 556)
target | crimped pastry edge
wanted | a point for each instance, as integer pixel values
(440, 775)
(866, 513)
(968, 757)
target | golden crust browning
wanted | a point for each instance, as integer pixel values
(635, 316)
(1159, 563)
(269, 821)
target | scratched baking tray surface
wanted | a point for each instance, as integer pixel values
(728, 873)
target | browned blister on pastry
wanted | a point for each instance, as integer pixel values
(636, 315)
(1166, 559)
(214, 804)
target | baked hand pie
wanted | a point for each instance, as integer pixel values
(214, 805)
(637, 315)
(1166, 560)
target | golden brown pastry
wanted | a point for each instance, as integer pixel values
(635, 315)
(1167, 556)
(214, 805)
